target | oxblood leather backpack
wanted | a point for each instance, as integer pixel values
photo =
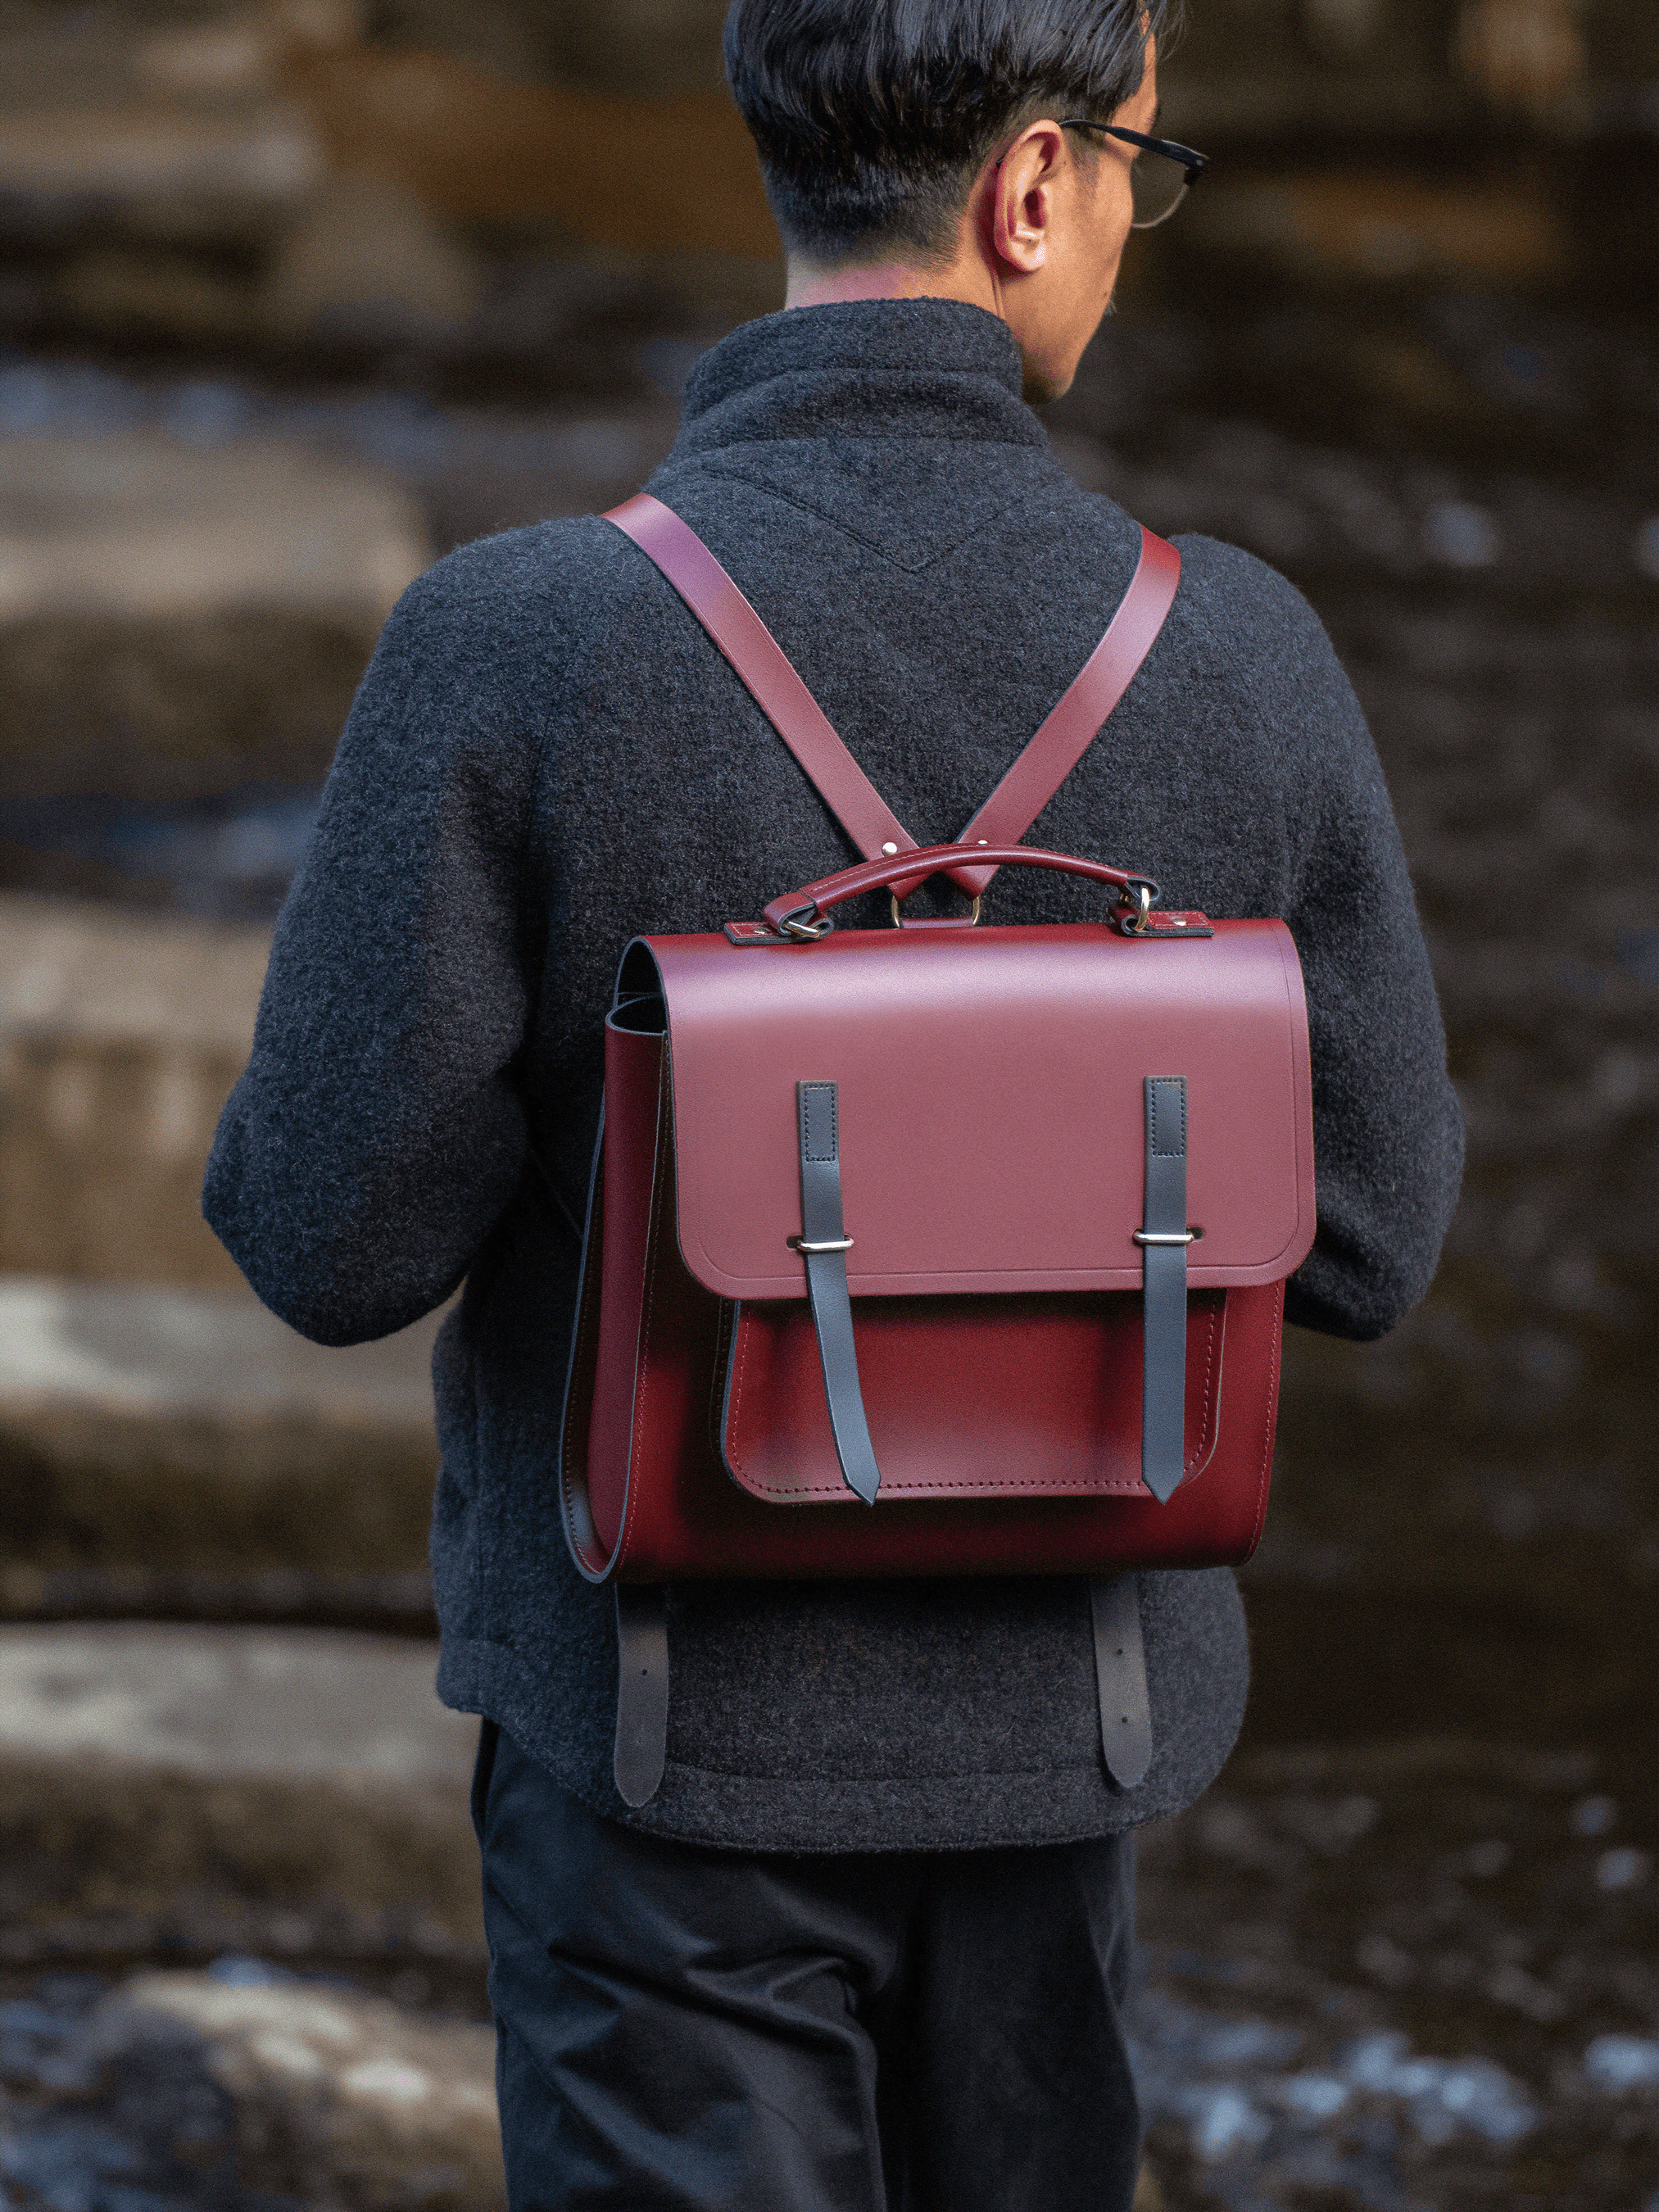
(934, 1249)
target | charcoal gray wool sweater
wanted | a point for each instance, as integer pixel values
(546, 757)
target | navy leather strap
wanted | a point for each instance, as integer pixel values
(823, 1245)
(1126, 1714)
(1163, 1237)
(641, 1690)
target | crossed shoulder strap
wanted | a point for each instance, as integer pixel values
(766, 669)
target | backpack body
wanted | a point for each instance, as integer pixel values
(990, 1091)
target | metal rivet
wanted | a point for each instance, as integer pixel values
(1178, 922)
(891, 850)
(984, 841)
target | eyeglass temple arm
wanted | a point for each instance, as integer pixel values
(1190, 159)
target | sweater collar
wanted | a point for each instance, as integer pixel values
(861, 368)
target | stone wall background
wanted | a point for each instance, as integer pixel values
(294, 295)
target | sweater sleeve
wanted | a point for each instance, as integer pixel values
(1387, 1127)
(378, 1130)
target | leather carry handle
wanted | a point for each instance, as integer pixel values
(798, 912)
(773, 681)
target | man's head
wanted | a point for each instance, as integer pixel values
(914, 147)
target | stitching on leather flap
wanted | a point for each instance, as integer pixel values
(1155, 1085)
(818, 1109)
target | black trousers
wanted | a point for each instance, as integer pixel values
(679, 2028)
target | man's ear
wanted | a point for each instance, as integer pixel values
(1021, 209)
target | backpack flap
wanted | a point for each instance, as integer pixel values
(991, 1100)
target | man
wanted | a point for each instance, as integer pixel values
(869, 1944)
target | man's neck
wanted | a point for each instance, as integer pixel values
(819, 284)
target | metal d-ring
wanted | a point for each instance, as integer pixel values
(1134, 906)
(973, 911)
(807, 932)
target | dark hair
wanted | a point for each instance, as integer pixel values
(872, 117)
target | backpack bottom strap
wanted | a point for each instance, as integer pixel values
(641, 1754)
(1126, 1716)
(641, 1690)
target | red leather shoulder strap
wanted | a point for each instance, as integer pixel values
(766, 670)
(1071, 728)
(777, 689)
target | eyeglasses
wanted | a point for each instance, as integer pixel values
(1158, 189)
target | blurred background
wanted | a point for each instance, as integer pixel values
(294, 297)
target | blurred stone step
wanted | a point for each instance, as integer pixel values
(314, 2092)
(167, 601)
(152, 526)
(148, 118)
(167, 186)
(398, 1604)
(175, 176)
(1364, 69)
(337, 2097)
(298, 1792)
(120, 1037)
(148, 1437)
(229, 174)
